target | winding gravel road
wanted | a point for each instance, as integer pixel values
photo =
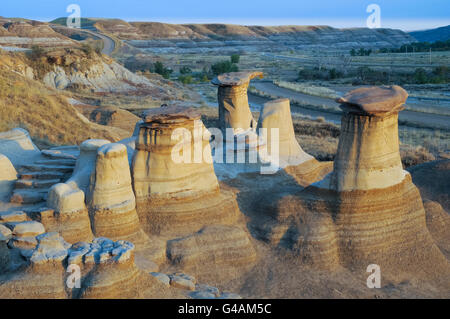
(422, 119)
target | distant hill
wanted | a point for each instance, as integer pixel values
(432, 35)
(159, 35)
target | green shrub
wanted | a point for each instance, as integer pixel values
(420, 76)
(235, 58)
(185, 79)
(223, 67)
(162, 70)
(185, 70)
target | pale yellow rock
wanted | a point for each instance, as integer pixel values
(8, 175)
(368, 154)
(68, 199)
(275, 120)
(154, 169)
(234, 111)
(110, 198)
(65, 199)
(173, 176)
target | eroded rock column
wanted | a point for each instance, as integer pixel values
(368, 154)
(177, 194)
(234, 111)
(110, 198)
(276, 127)
(69, 214)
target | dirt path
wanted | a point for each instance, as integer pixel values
(415, 118)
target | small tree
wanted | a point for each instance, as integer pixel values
(235, 58)
(420, 76)
(224, 67)
(36, 52)
(185, 70)
(162, 70)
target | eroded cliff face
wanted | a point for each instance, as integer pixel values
(143, 34)
(77, 70)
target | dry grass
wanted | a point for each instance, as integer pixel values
(320, 139)
(45, 113)
(308, 89)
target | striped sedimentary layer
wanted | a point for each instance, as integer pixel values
(72, 226)
(309, 172)
(176, 189)
(172, 215)
(40, 275)
(111, 201)
(386, 227)
(107, 268)
(438, 223)
(213, 253)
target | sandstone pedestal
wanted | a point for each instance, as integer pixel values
(371, 211)
(176, 189)
(110, 198)
(70, 215)
(43, 275)
(234, 111)
(278, 142)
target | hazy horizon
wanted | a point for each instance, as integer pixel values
(401, 14)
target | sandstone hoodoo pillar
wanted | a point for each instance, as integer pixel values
(110, 198)
(276, 115)
(367, 210)
(177, 195)
(234, 111)
(368, 154)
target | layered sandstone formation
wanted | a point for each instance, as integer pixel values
(214, 253)
(367, 211)
(368, 154)
(107, 269)
(276, 129)
(173, 175)
(67, 200)
(234, 111)
(42, 274)
(110, 197)
(8, 176)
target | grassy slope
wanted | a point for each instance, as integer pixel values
(45, 113)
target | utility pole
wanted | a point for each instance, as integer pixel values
(430, 56)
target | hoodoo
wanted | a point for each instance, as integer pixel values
(110, 198)
(234, 111)
(173, 175)
(368, 154)
(367, 211)
(277, 141)
(68, 199)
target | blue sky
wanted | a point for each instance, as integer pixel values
(402, 14)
